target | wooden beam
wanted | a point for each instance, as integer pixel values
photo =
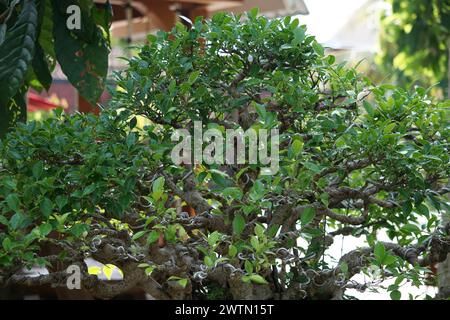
(266, 7)
(85, 107)
(225, 2)
(140, 27)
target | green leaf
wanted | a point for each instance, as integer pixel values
(389, 260)
(17, 52)
(152, 237)
(423, 210)
(312, 166)
(325, 198)
(259, 231)
(41, 68)
(3, 220)
(79, 229)
(45, 229)
(89, 189)
(248, 266)
(318, 48)
(149, 270)
(103, 16)
(13, 202)
(138, 235)
(379, 252)
(158, 188)
(131, 140)
(273, 230)
(331, 59)
(296, 147)
(233, 192)
(368, 108)
(258, 191)
(183, 282)
(46, 40)
(38, 168)
(208, 261)
(253, 13)
(254, 242)
(389, 128)
(344, 267)
(7, 244)
(152, 38)
(143, 265)
(16, 221)
(299, 36)
(213, 238)
(307, 216)
(396, 295)
(261, 111)
(232, 251)
(46, 207)
(82, 54)
(238, 224)
(220, 178)
(133, 123)
(61, 201)
(193, 77)
(410, 228)
(256, 278)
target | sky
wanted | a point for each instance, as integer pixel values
(327, 16)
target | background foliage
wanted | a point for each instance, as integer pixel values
(415, 41)
(34, 38)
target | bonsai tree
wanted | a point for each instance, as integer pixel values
(355, 159)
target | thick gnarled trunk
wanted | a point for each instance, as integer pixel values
(444, 267)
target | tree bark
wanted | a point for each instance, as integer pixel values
(444, 267)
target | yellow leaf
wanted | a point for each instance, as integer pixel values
(94, 270)
(108, 271)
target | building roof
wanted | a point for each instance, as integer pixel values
(150, 15)
(361, 32)
(271, 8)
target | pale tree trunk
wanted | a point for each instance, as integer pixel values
(444, 268)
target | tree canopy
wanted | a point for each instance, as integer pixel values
(355, 160)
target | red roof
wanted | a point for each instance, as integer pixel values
(37, 103)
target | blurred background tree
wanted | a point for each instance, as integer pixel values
(415, 43)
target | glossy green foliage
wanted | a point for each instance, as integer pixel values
(17, 51)
(59, 173)
(34, 36)
(82, 53)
